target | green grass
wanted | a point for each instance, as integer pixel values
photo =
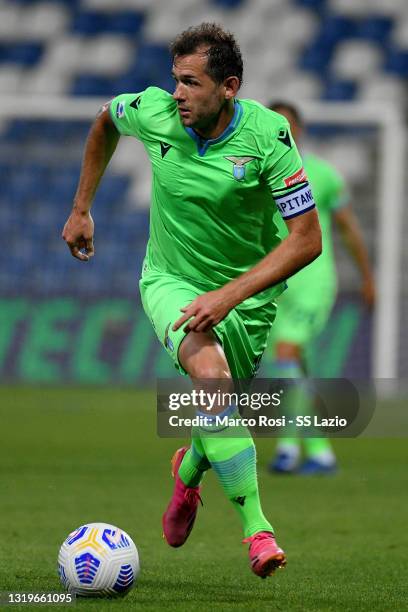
(71, 456)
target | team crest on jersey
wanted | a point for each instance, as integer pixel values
(238, 169)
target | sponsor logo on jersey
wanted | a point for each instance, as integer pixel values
(295, 203)
(238, 169)
(298, 177)
(164, 148)
(120, 110)
(284, 137)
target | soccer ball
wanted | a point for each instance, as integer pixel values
(98, 560)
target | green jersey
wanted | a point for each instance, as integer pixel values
(213, 201)
(330, 194)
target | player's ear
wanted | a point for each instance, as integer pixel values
(231, 85)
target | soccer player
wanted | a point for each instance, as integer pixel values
(304, 308)
(214, 263)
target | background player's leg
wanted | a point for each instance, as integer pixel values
(287, 364)
(233, 458)
(319, 454)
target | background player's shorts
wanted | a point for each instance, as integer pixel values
(243, 333)
(303, 312)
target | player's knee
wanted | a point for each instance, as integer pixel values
(202, 356)
(209, 370)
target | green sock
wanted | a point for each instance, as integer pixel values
(290, 368)
(293, 442)
(300, 402)
(234, 461)
(194, 464)
(317, 446)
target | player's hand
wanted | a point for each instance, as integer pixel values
(78, 234)
(204, 312)
(368, 292)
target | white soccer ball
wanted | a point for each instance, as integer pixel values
(98, 560)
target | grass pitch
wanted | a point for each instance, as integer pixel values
(71, 456)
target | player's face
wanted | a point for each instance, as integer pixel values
(199, 98)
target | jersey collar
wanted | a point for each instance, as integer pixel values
(203, 144)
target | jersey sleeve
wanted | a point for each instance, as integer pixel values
(134, 114)
(284, 173)
(126, 111)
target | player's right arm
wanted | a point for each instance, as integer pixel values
(353, 238)
(100, 145)
(125, 115)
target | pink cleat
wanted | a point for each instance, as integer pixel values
(265, 556)
(178, 520)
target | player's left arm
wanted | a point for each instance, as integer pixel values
(301, 247)
(353, 238)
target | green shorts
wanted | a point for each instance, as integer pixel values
(243, 333)
(302, 314)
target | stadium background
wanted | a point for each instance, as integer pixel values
(68, 323)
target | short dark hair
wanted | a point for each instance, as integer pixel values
(291, 108)
(223, 52)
